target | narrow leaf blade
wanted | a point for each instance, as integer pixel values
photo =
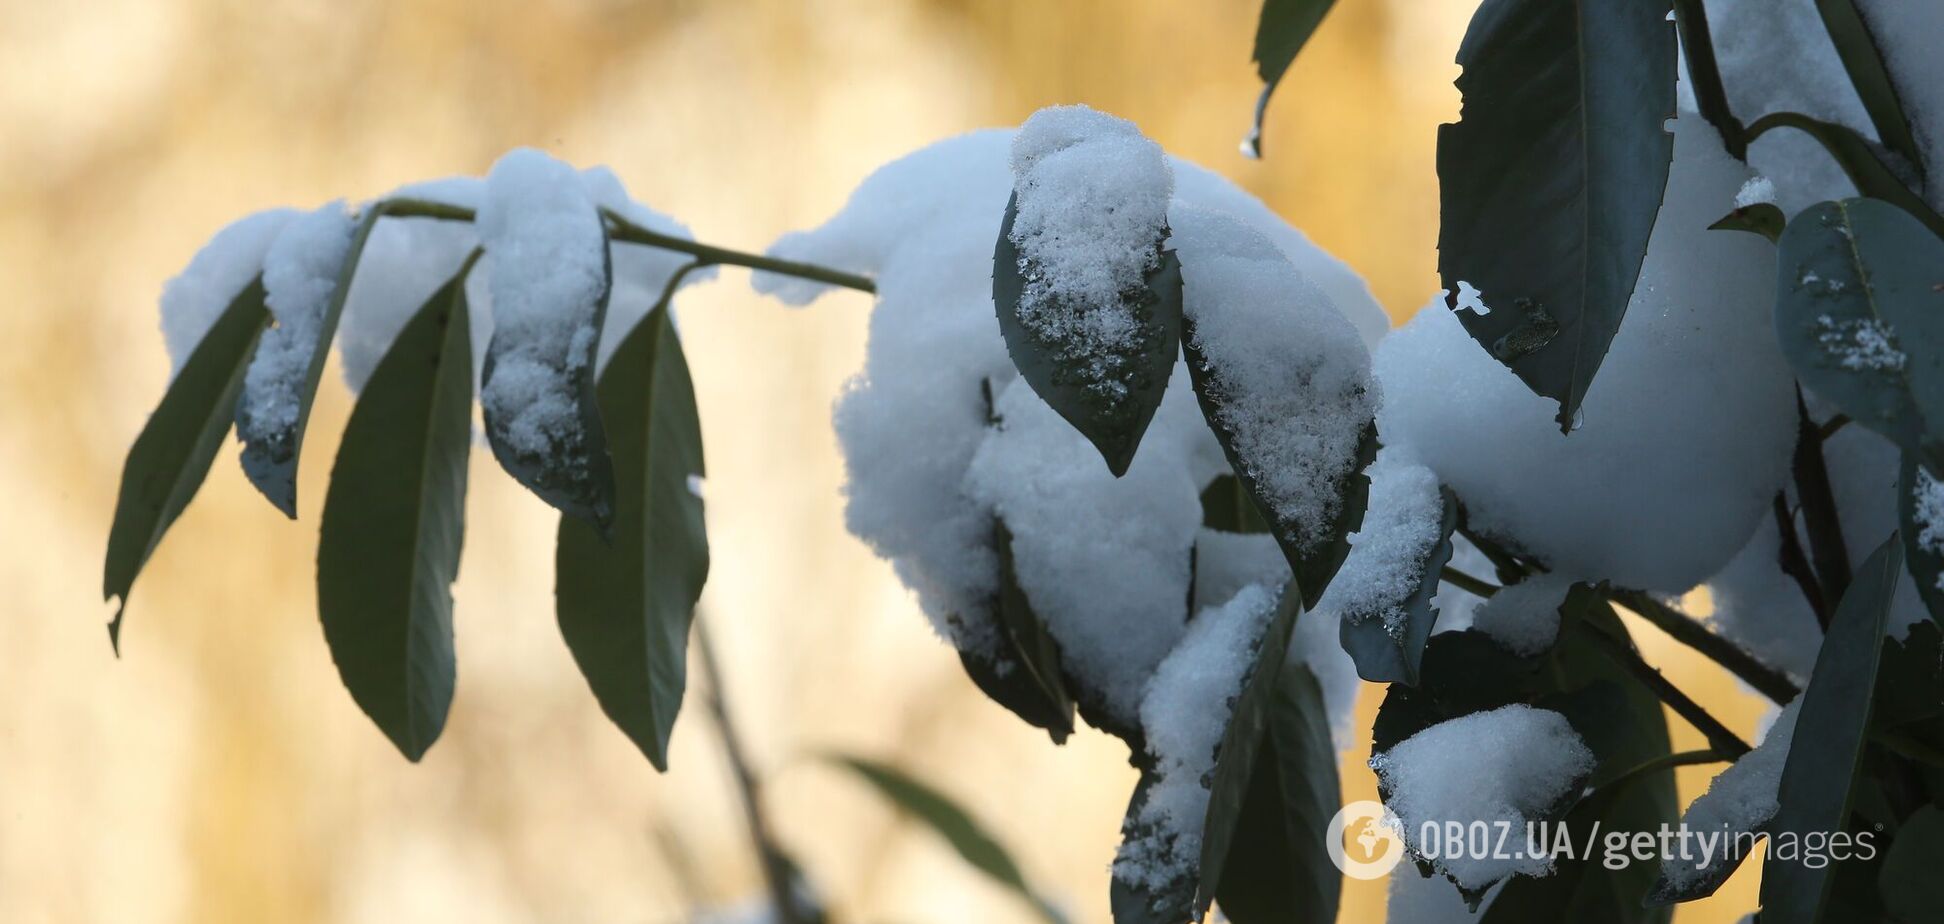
(172, 455)
(394, 524)
(1277, 867)
(1284, 27)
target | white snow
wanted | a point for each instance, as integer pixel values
(1858, 344)
(1092, 209)
(1741, 798)
(547, 275)
(1291, 375)
(1401, 527)
(1509, 765)
(220, 271)
(301, 273)
(1524, 617)
(1906, 34)
(1928, 514)
(405, 261)
(1686, 431)
(1185, 712)
(640, 273)
(1758, 190)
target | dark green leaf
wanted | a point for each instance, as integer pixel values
(1277, 868)
(1762, 218)
(952, 823)
(394, 522)
(1858, 51)
(1235, 759)
(1910, 682)
(1552, 178)
(1313, 566)
(1385, 658)
(1817, 782)
(1226, 507)
(270, 460)
(1860, 161)
(625, 607)
(1113, 425)
(1026, 675)
(1283, 29)
(1860, 312)
(1925, 565)
(1710, 96)
(1912, 890)
(171, 456)
(578, 477)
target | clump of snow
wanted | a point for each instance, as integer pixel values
(548, 276)
(1927, 514)
(1740, 800)
(1290, 377)
(1387, 557)
(1759, 190)
(1091, 211)
(1511, 765)
(1524, 617)
(640, 273)
(405, 261)
(301, 274)
(1103, 560)
(1762, 609)
(220, 271)
(1184, 713)
(1686, 433)
(910, 422)
(1859, 344)
(1470, 299)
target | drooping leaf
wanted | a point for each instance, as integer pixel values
(939, 813)
(1277, 867)
(1283, 29)
(394, 523)
(270, 460)
(1860, 313)
(1818, 782)
(1384, 657)
(1926, 565)
(578, 478)
(1911, 888)
(172, 455)
(1910, 685)
(1551, 179)
(1114, 425)
(1242, 742)
(1860, 161)
(1858, 50)
(1026, 675)
(625, 607)
(1142, 903)
(1763, 218)
(1710, 95)
(1226, 507)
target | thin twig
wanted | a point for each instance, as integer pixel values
(1795, 563)
(629, 233)
(1691, 19)
(1826, 547)
(776, 870)
(1623, 654)
(1476, 586)
(1668, 762)
(1689, 631)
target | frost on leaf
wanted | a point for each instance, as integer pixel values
(549, 278)
(1512, 765)
(1088, 298)
(1858, 344)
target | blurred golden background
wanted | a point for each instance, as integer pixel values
(218, 772)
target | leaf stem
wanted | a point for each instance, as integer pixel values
(1667, 762)
(776, 869)
(1689, 631)
(1795, 562)
(1827, 549)
(1628, 658)
(1465, 582)
(1691, 19)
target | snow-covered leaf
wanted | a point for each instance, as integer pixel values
(1552, 177)
(1114, 423)
(1818, 782)
(394, 523)
(1276, 868)
(944, 816)
(1858, 50)
(625, 606)
(171, 456)
(1283, 29)
(307, 274)
(1763, 218)
(1860, 313)
(1390, 650)
(1920, 520)
(1143, 902)
(1025, 676)
(1247, 734)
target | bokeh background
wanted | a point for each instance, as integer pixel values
(218, 772)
